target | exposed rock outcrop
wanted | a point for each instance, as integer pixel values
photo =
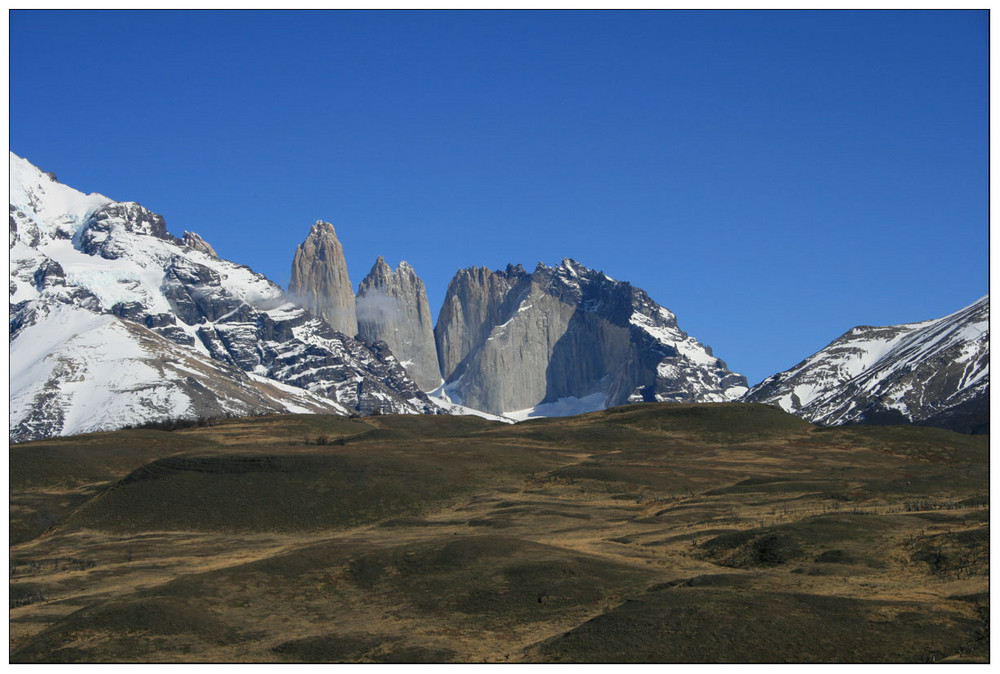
(192, 240)
(98, 235)
(392, 308)
(320, 282)
(511, 341)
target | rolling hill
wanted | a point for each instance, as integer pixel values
(653, 532)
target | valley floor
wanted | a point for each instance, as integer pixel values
(649, 533)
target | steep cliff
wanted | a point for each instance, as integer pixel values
(476, 301)
(567, 338)
(392, 308)
(319, 279)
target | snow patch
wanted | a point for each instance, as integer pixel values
(563, 407)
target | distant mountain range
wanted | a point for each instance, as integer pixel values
(115, 322)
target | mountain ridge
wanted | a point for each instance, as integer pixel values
(560, 340)
(913, 372)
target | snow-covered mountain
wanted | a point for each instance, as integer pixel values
(114, 321)
(567, 339)
(935, 372)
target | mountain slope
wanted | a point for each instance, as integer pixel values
(78, 371)
(934, 372)
(105, 303)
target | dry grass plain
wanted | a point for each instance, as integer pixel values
(647, 533)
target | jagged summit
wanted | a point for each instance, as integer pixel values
(98, 285)
(320, 281)
(192, 240)
(565, 339)
(380, 270)
(392, 307)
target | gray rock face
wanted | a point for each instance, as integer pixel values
(193, 291)
(476, 301)
(320, 281)
(392, 308)
(935, 372)
(509, 341)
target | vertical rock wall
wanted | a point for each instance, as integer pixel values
(320, 282)
(392, 307)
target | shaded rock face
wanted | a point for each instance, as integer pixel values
(935, 373)
(392, 308)
(194, 292)
(320, 282)
(509, 341)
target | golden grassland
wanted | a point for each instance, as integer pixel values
(646, 533)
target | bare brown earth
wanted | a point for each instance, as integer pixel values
(647, 533)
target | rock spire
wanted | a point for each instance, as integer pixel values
(320, 282)
(392, 307)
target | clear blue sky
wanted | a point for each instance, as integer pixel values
(774, 178)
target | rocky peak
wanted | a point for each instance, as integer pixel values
(192, 240)
(571, 267)
(392, 308)
(102, 233)
(320, 282)
(513, 342)
(133, 218)
(380, 272)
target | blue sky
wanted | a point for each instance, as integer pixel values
(774, 178)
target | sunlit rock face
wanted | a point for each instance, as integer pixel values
(392, 308)
(320, 282)
(512, 342)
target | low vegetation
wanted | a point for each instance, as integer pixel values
(646, 533)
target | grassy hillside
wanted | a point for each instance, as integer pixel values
(646, 533)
